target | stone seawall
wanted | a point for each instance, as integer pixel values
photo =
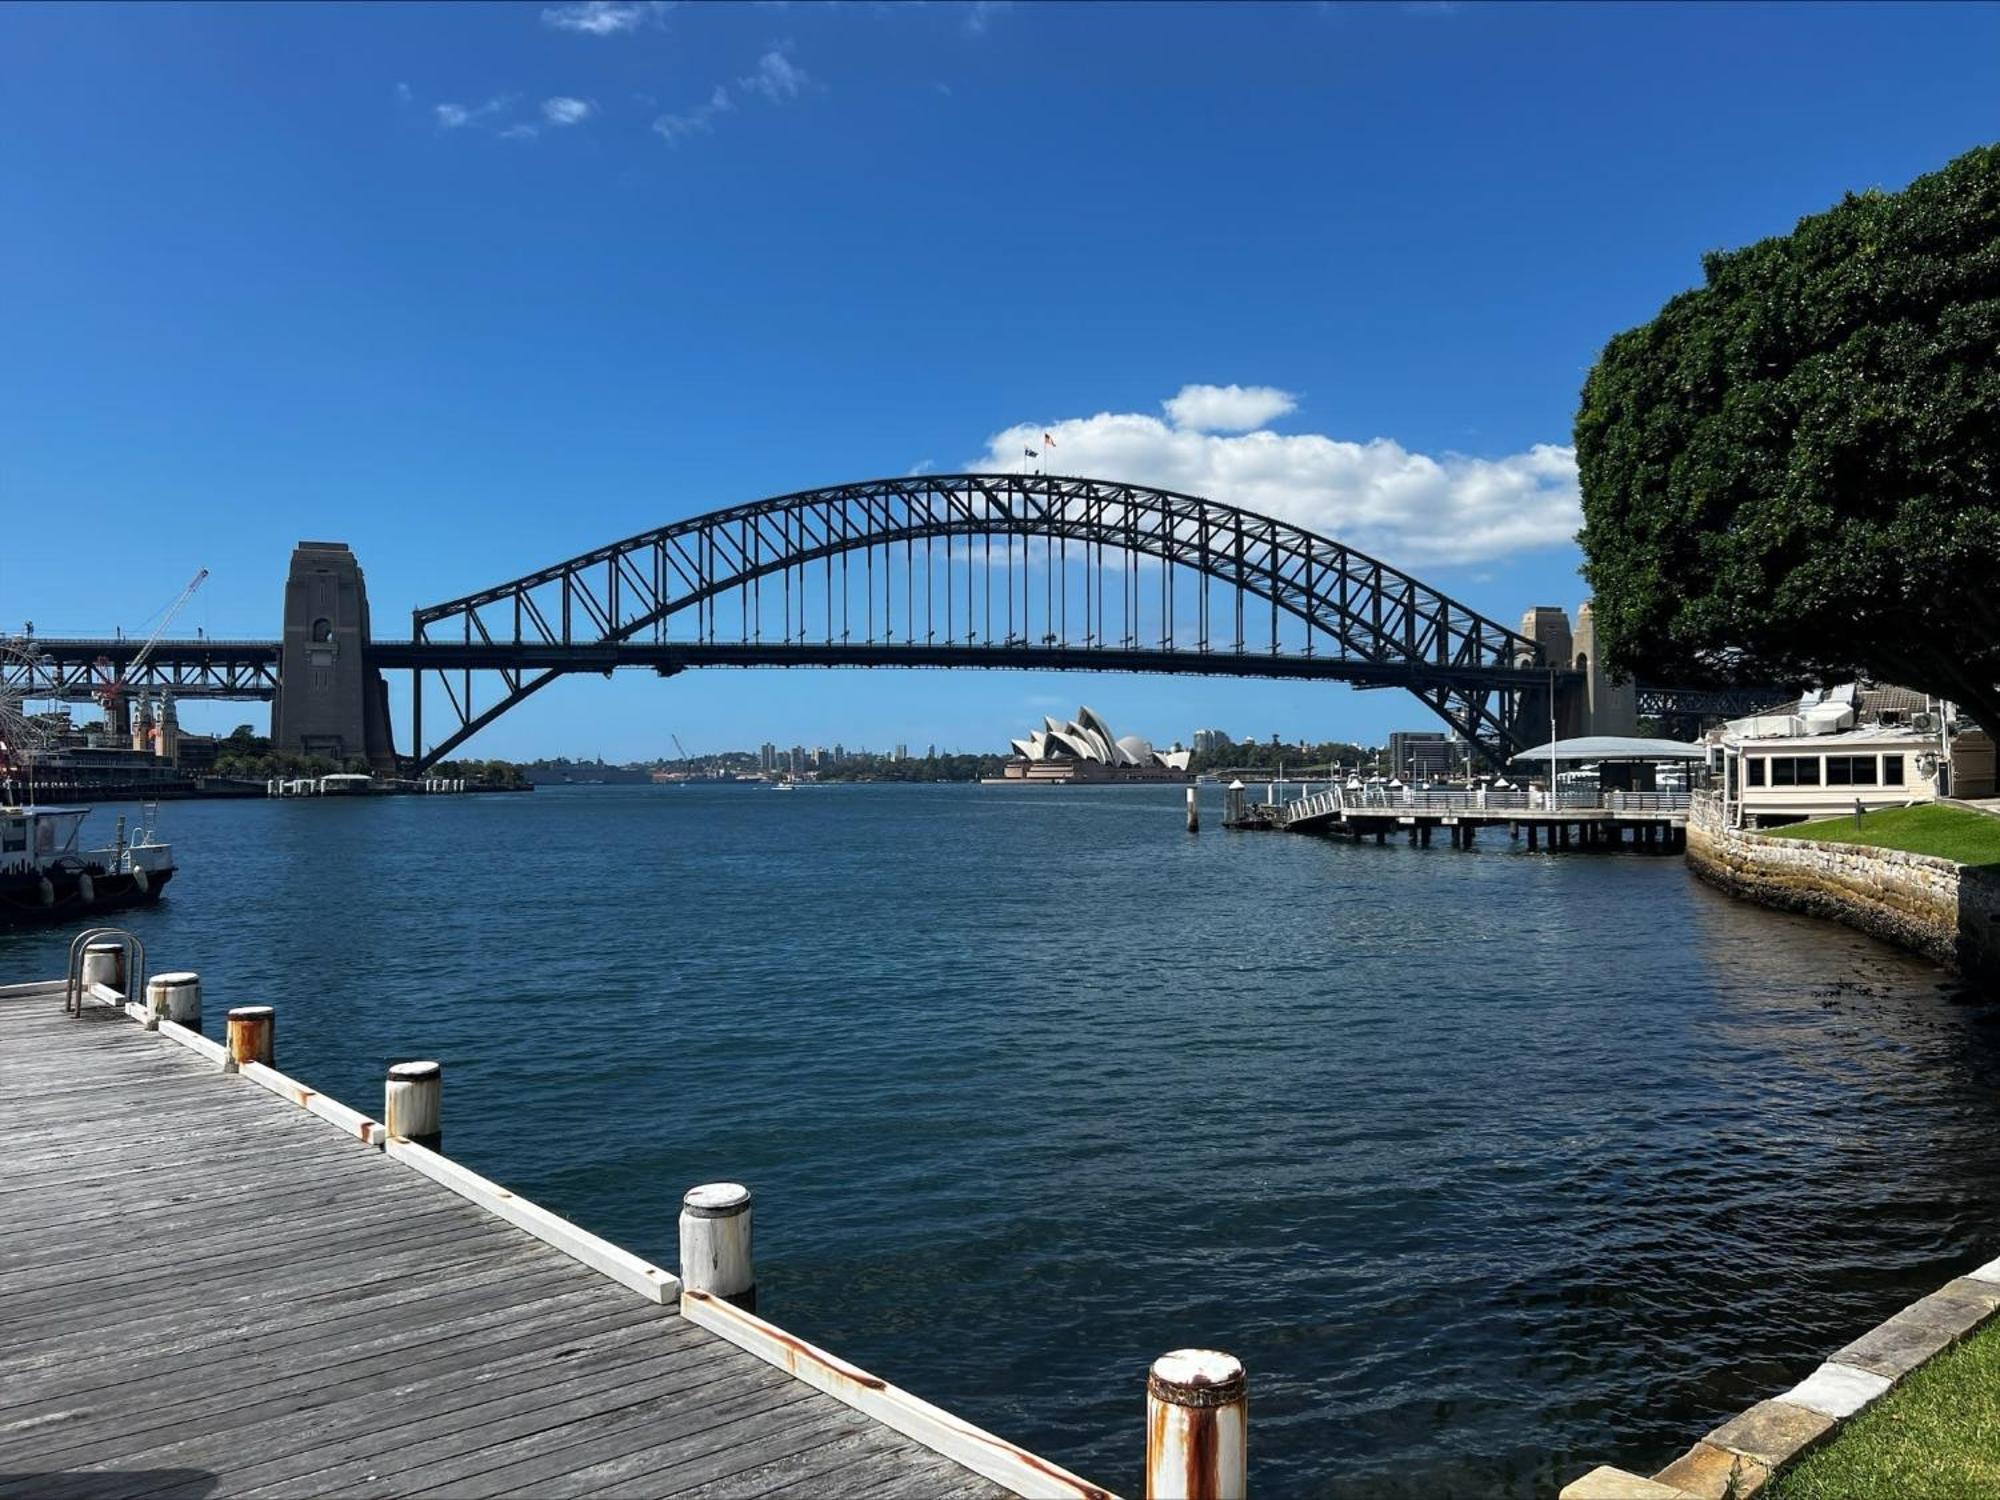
(1945, 911)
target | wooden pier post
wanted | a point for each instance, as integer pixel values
(412, 1103)
(1197, 1427)
(1465, 834)
(1424, 835)
(104, 963)
(1193, 813)
(1531, 836)
(715, 1243)
(253, 1034)
(174, 997)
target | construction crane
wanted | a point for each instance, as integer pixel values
(112, 684)
(686, 759)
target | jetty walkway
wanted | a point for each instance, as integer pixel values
(212, 1287)
(1655, 820)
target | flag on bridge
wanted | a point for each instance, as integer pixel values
(1047, 441)
(1031, 453)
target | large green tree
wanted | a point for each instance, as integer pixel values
(1790, 473)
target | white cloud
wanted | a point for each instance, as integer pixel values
(458, 116)
(403, 94)
(776, 80)
(519, 133)
(1228, 408)
(1378, 496)
(697, 120)
(600, 17)
(777, 77)
(565, 111)
(979, 15)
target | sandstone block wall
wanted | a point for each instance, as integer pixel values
(1945, 911)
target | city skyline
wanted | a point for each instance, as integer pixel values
(473, 289)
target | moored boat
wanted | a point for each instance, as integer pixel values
(45, 877)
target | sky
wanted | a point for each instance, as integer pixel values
(475, 288)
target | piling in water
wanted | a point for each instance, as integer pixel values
(413, 1103)
(716, 1254)
(175, 997)
(1197, 1427)
(253, 1035)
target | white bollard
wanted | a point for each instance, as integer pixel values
(1194, 813)
(174, 997)
(253, 1035)
(1197, 1427)
(104, 963)
(412, 1103)
(715, 1243)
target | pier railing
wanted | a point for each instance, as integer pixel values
(1338, 802)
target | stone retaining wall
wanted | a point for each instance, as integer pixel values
(1736, 1460)
(1945, 911)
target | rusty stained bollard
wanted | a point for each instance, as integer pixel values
(413, 1103)
(1193, 813)
(1197, 1427)
(174, 997)
(253, 1035)
(716, 1255)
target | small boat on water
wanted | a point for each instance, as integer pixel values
(44, 877)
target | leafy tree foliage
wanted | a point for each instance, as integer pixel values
(1789, 474)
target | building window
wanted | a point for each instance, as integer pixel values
(1753, 768)
(1892, 770)
(1850, 770)
(1795, 770)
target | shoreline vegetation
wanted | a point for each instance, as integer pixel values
(1941, 831)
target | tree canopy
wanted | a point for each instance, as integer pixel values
(1789, 474)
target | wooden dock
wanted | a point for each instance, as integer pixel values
(1652, 821)
(206, 1289)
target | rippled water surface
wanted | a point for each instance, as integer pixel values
(1490, 1165)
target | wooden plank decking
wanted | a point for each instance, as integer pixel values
(206, 1291)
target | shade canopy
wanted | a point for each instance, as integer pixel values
(1610, 747)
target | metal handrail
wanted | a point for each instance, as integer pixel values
(135, 965)
(1411, 800)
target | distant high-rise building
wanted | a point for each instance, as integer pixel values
(1209, 741)
(1418, 753)
(767, 758)
(902, 753)
(839, 753)
(931, 753)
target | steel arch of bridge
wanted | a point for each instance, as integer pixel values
(1294, 603)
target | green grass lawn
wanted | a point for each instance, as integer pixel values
(1936, 1435)
(1971, 838)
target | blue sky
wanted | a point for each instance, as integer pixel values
(476, 287)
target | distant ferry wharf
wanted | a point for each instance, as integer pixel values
(1655, 820)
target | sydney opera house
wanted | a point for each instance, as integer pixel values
(1085, 749)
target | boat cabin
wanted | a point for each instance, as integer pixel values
(31, 837)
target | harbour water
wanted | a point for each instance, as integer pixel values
(1490, 1165)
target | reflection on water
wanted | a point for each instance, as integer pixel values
(1491, 1165)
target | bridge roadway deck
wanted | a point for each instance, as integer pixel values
(205, 1290)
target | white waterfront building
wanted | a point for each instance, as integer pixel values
(1856, 745)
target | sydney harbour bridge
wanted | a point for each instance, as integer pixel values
(1041, 572)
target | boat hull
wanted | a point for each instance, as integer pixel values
(22, 900)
